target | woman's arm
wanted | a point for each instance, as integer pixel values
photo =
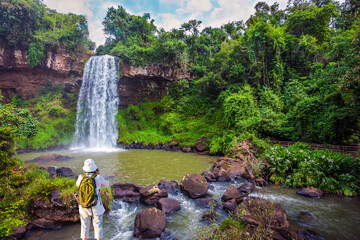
(104, 182)
(78, 181)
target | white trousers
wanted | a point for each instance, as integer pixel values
(97, 221)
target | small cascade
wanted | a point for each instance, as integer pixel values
(98, 105)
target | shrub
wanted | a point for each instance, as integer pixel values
(298, 166)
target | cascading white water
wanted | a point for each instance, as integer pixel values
(98, 104)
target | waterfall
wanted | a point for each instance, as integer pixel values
(98, 104)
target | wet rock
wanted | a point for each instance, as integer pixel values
(50, 158)
(260, 182)
(151, 194)
(168, 205)
(226, 169)
(65, 172)
(127, 186)
(231, 198)
(194, 186)
(310, 192)
(206, 202)
(174, 143)
(149, 223)
(246, 188)
(127, 195)
(170, 186)
(52, 171)
(128, 192)
(230, 205)
(45, 224)
(305, 216)
(200, 144)
(209, 176)
(231, 193)
(186, 149)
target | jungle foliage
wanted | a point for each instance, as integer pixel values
(289, 74)
(29, 24)
(54, 109)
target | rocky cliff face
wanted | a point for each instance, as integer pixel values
(152, 82)
(17, 77)
(135, 83)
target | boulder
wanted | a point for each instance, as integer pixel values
(206, 202)
(174, 143)
(170, 186)
(231, 198)
(52, 171)
(151, 194)
(246, 188)
(257, 212)
(128, 192)
(127, 195)
(168, 205)
(127, 186)
(243, 150)
(226, 169)
(65, 172)
(310, 192)
(149, 223)
(260, 182)
(232, 193)
(186, 149)
(43, 223)
(230, 205)
(194, 186)
(56, 209)
(200, 144)
(49, 158)
(209, 176)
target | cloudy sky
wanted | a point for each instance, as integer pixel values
(166, 13)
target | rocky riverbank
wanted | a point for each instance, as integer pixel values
(53, 213)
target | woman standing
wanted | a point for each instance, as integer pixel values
(94, 213)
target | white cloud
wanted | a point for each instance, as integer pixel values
(229, 10)
(167, 21)
(177, 2)
(194, 7)
(73, 6)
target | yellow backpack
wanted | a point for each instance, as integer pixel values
(87, 191)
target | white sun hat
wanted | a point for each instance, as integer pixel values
(89, 165)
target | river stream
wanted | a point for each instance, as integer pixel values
(332, 217)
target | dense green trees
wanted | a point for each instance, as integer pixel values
(28, 24)
(289, 74)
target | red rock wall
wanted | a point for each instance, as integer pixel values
(150, 82)
(135, 85)
(17, 77)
